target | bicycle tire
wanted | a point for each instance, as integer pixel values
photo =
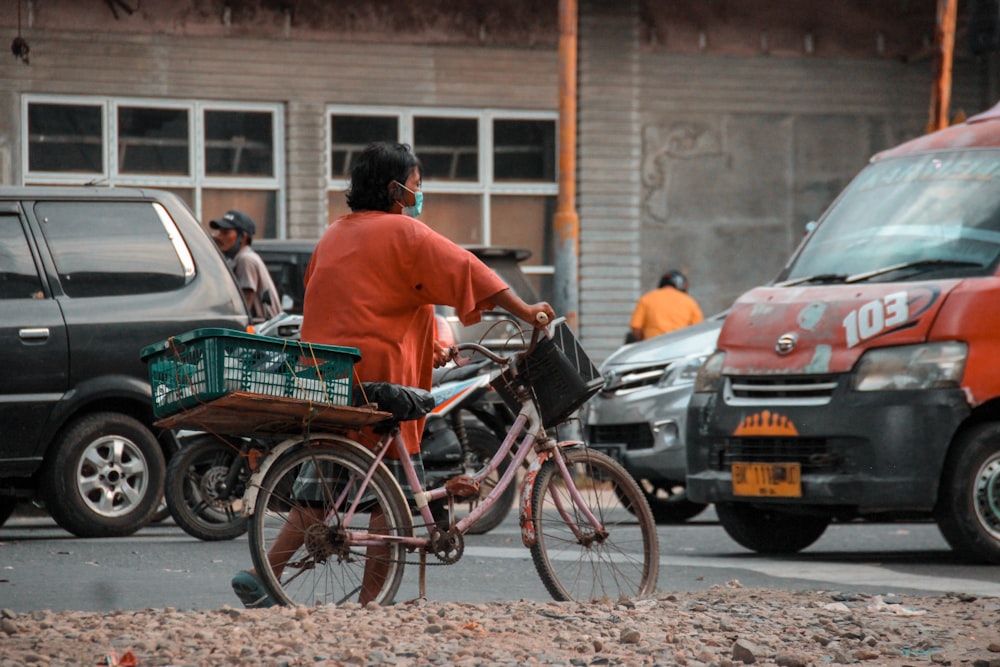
(483, 444)
(625, 563)
(190, 491)
(322, 570)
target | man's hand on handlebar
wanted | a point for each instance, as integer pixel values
(541, 314)
(442, 354)
(527, 312)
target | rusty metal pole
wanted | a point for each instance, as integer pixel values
(566, 223)
(944, 40)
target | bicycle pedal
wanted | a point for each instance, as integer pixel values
(462, 486)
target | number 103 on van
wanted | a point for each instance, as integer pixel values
(875, 317)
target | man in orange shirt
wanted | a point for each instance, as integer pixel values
(664, 309)
(372, 283)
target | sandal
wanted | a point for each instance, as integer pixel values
(250, 590)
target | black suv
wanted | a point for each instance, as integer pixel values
(287, 261)
(88, 277)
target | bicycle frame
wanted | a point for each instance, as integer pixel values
(528, 439)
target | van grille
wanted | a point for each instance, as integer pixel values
(781, 389)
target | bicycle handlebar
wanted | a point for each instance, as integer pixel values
(541, 318)
(476, 347)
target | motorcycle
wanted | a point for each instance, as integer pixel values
(207, 477)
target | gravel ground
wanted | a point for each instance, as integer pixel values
(724, 626)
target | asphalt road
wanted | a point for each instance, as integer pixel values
(43, 567)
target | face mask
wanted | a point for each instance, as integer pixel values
(418, 202)
(418, 205)
(236, 247)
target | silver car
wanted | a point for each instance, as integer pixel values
(639, 415)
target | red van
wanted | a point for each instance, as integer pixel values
(865, 382)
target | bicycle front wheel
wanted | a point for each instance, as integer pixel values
(299, 532)
(576, 560)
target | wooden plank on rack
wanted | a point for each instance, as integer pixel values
(241, 413)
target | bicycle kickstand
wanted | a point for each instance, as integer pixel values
(423, 574)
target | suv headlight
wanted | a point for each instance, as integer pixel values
(682, 371)
(924, 366)
(710, 374)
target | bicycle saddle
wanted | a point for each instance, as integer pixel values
(405, 403)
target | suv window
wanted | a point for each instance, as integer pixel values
(128, 252)
(18, 277)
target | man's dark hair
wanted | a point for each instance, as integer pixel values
(379, 165)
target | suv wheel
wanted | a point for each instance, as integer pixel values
(105, 476)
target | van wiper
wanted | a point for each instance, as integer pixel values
(861, 277)
(917, 264)
(818, 278)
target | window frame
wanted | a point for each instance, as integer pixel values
(484, 186)
(196, 181)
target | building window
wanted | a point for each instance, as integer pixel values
(65, 138)
(489, 176)
(154, 141)
(214, 155)
(239, 143)
(350, 134)
(524, 150)
(449, 147)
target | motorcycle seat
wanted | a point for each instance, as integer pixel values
(458, 373)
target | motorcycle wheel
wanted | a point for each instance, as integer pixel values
(483, 444)
(192, 489)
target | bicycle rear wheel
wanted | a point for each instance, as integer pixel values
(298, 530)
(576, 561)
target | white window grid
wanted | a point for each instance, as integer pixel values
(196, 181)
(484, 186)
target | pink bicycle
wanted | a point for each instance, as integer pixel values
(324, 508)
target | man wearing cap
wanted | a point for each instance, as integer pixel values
(233, 233)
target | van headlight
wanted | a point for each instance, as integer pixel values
(682, 372)
(924, 366)
(710, 374)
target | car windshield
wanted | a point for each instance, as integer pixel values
(909, 218)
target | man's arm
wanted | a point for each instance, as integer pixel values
(508, 300)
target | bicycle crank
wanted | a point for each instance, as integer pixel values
(447, 546)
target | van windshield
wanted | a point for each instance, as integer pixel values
(920, 216)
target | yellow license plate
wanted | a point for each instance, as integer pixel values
(767, 479)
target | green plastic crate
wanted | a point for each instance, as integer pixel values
(205, 364)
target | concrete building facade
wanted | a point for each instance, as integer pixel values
(709, 132)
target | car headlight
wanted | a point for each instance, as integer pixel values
(683, 371)
(924, 366)
(710, 374)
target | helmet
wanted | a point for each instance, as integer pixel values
(675, 279)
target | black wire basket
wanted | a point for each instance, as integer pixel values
(558, 374)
